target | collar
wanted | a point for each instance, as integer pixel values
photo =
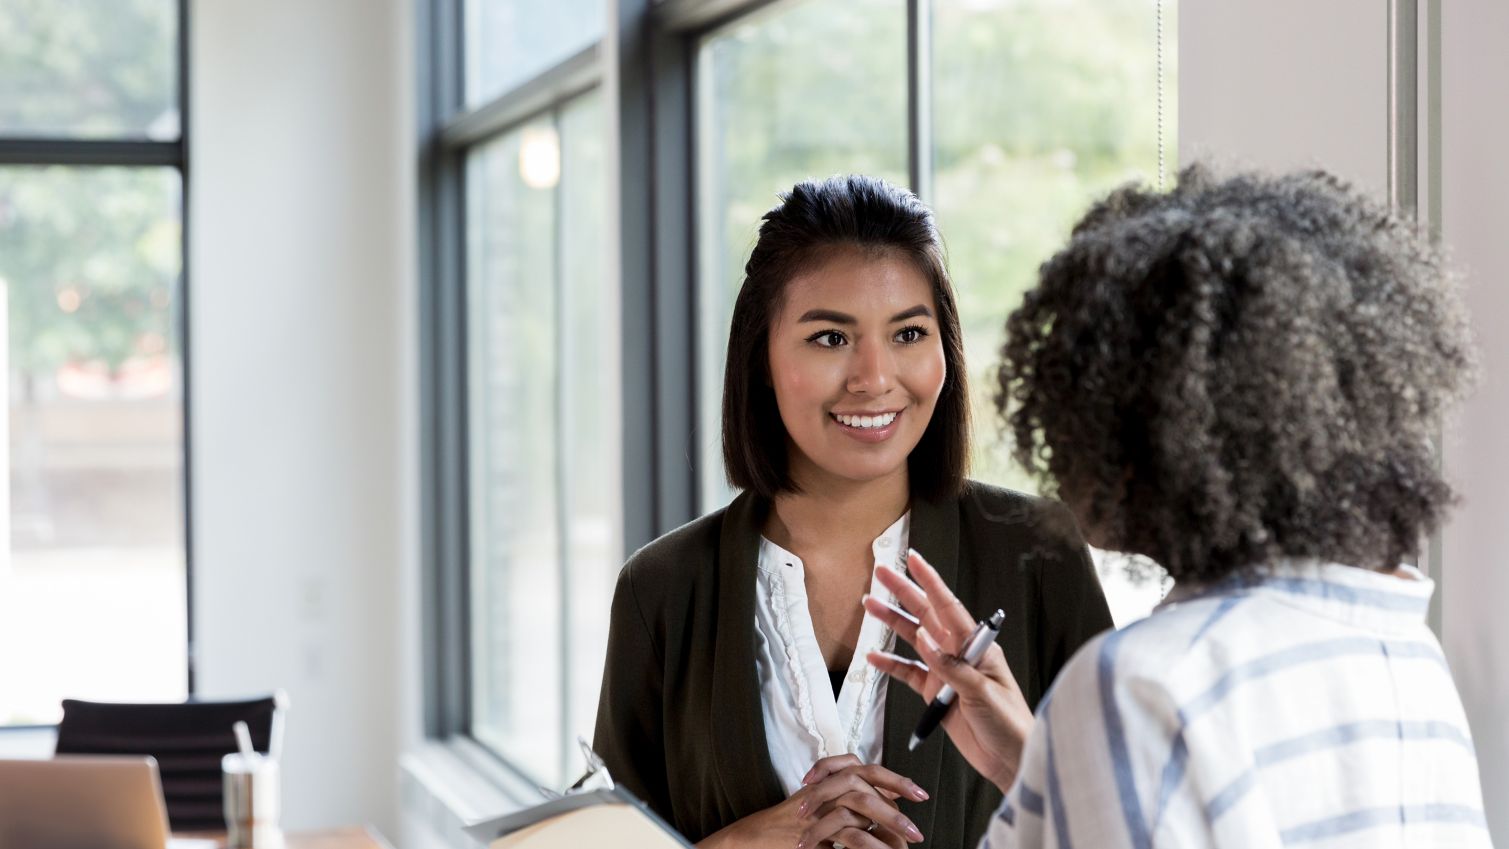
(1352, 595)
(888, 548)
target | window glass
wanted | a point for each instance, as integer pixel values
(510, 41)
(545, 503)
(590, 369)
(89, 68)
(1030, 125)
(92, 580)
(802, 90)
(515, 586)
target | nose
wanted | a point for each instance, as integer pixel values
(871, 369)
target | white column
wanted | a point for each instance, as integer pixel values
(1475, 209)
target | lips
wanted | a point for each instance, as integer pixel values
(867, 428)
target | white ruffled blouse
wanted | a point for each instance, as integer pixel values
(804, 722)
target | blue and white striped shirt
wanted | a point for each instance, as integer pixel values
(1311, 708)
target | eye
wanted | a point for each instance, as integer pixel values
(911, 334)
(827, 339)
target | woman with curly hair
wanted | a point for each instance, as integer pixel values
(1239, 379)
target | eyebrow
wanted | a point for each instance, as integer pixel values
(832, 317)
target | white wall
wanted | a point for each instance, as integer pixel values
(301, 257)
(1292, 83)
(1286, 84)
(1475, 209)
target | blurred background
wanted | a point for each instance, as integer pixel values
(350, 345)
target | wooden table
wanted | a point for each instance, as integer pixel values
(336, 838)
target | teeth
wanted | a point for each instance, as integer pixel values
(867, 421)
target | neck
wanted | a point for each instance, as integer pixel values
(829, 510)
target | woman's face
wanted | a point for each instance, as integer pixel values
(856, 362)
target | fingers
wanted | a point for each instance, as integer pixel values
(928, 600)
(965, 679)
(828, 766)
(848, 821)
(951, 613)
(893, 617)
(918, 608)
(912, 673)
(840, 827)
(873, 779)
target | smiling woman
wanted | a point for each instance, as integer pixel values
(736, 663)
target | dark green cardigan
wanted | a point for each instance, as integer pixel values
(679, 723)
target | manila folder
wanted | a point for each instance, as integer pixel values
(595, 818)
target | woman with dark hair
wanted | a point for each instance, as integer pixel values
(736, 656)
(1240, 380)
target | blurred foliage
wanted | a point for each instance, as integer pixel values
(89, 68)
(89, 256)
(1039, 107)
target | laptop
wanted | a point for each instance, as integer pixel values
(84, 802)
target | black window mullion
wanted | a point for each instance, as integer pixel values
(184, 344)
(91, 152)
(444, 520)
(919, 103)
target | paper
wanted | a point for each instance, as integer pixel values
(588, 818)
(601, 825)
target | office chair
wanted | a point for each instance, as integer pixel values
(188, 740)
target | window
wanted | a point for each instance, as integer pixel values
(525, 509)
(93, 579)
(543, 526)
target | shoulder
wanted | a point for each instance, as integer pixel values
(986, 504)
(1150, 661)
(676, 558)
(996, 519)
(1122, 672)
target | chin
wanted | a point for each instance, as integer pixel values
(866, 472)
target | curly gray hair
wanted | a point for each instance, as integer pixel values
(1240, 370)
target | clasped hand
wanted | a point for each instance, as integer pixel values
(842, 801)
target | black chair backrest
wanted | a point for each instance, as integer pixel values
(188, 740)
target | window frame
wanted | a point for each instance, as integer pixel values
(448, 131)
(44, 150)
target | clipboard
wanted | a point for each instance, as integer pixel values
(606, 817)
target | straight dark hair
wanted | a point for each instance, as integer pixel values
(812, 220)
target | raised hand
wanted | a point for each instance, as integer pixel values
(990, 719)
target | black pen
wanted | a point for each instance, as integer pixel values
(985, 634)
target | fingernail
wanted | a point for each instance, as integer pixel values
(925, 640)
(864, 598)
(919, 794)
(913, 833)
(801, 810)
(801, 844)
